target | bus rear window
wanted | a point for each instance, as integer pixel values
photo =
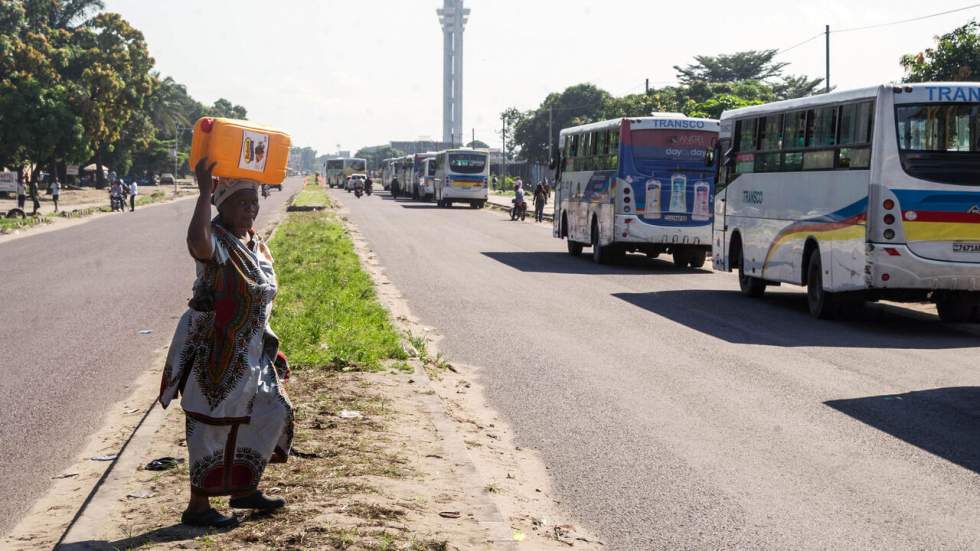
(335, 165)
(940, 142)
(671, 145)
(358, 165)
(467, 163)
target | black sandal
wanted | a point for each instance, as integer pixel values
(208, 519)
(257, 501)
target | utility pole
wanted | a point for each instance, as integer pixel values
(176, 150)
(827, 81)
(648, 86)
(503, 150)
(551, 132)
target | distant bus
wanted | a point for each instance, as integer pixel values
(461, 176)
(637, 185)
(388, 171)
(862, 195)
(336, 171)
(414, 177)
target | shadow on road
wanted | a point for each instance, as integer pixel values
(782, 319)
(563, 263)
(943, 421)
(420, 206)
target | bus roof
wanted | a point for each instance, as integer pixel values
(803, 103)
(655, 120)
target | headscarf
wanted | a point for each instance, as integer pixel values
(225, 188)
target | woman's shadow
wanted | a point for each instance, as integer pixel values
(167, 534)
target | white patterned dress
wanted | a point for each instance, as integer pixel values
(222, 364)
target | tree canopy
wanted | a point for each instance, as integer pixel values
(956, 57)
(77, 82)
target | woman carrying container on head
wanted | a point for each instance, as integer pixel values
(224, 359)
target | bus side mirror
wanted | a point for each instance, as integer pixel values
(729, 160)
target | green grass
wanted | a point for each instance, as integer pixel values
(327, 314)
(312, 196)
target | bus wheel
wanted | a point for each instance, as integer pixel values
(475, 205)
(697, 258)
(574, 248)
(821, 302)
(682, 258)
(958, 308)
(600, 254)
(750, 286)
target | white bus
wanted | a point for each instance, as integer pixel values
(336, 171)
(388, 172)
(637, 185)
(860, 195)
(462, 176)
(426, 179)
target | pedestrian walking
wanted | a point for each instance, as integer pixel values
(494, 184)
(21, 193)
(36, 201)
(133, 190)
(540, 200)
(55, 189)
(224, 359)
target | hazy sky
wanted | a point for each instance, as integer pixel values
(364, 72)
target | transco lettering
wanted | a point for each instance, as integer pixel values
(949, 93)
(679, 124)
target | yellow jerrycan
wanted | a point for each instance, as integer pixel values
(243, 150)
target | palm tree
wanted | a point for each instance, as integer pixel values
(169, 105)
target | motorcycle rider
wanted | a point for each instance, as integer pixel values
(369, 185)
(358, 187)
(394, 186)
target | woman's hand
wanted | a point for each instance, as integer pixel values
(203, 173)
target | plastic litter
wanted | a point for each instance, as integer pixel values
(518, 535)
(146, 331)
(348, 414)
(110, 457)
(142, 494)
(163, 463)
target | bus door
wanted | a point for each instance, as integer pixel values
(724, 159)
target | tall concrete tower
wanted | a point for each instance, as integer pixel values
(453, 17)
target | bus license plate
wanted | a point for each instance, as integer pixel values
(966, 247)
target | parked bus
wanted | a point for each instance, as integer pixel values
(461, 176)
(388, 171)
(860, 195)
(426, 179)
(336, 171)
(637, 185)
(412, 174)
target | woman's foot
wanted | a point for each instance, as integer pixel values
(209, 518)
(257, 501)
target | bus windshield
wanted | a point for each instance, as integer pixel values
(940, 142)
(467, 163)
(358, 165)
(656, 146)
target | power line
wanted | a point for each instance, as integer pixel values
(807, 41)
(920, 18)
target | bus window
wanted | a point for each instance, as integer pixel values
(822, 131)
(855, 123)
(818, 160)
(770, 135)
(794, 130)
(745, 132)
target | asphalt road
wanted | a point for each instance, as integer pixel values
(675, 414)
(74, 301)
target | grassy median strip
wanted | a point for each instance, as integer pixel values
(327, 313)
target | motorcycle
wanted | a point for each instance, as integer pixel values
(519, 210)
(367, 189)
(358, 190)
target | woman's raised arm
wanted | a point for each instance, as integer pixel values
(199, 231)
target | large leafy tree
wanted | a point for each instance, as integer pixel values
(226, 109)
(112, 69)
(375, 155)
(575, 105)
(747, 65)
(956, 57)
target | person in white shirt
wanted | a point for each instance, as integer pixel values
(21, 194)
(132, 195)
(55, 188)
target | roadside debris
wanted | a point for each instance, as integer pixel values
(109, 457)
(347, 414)
(163, 463)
